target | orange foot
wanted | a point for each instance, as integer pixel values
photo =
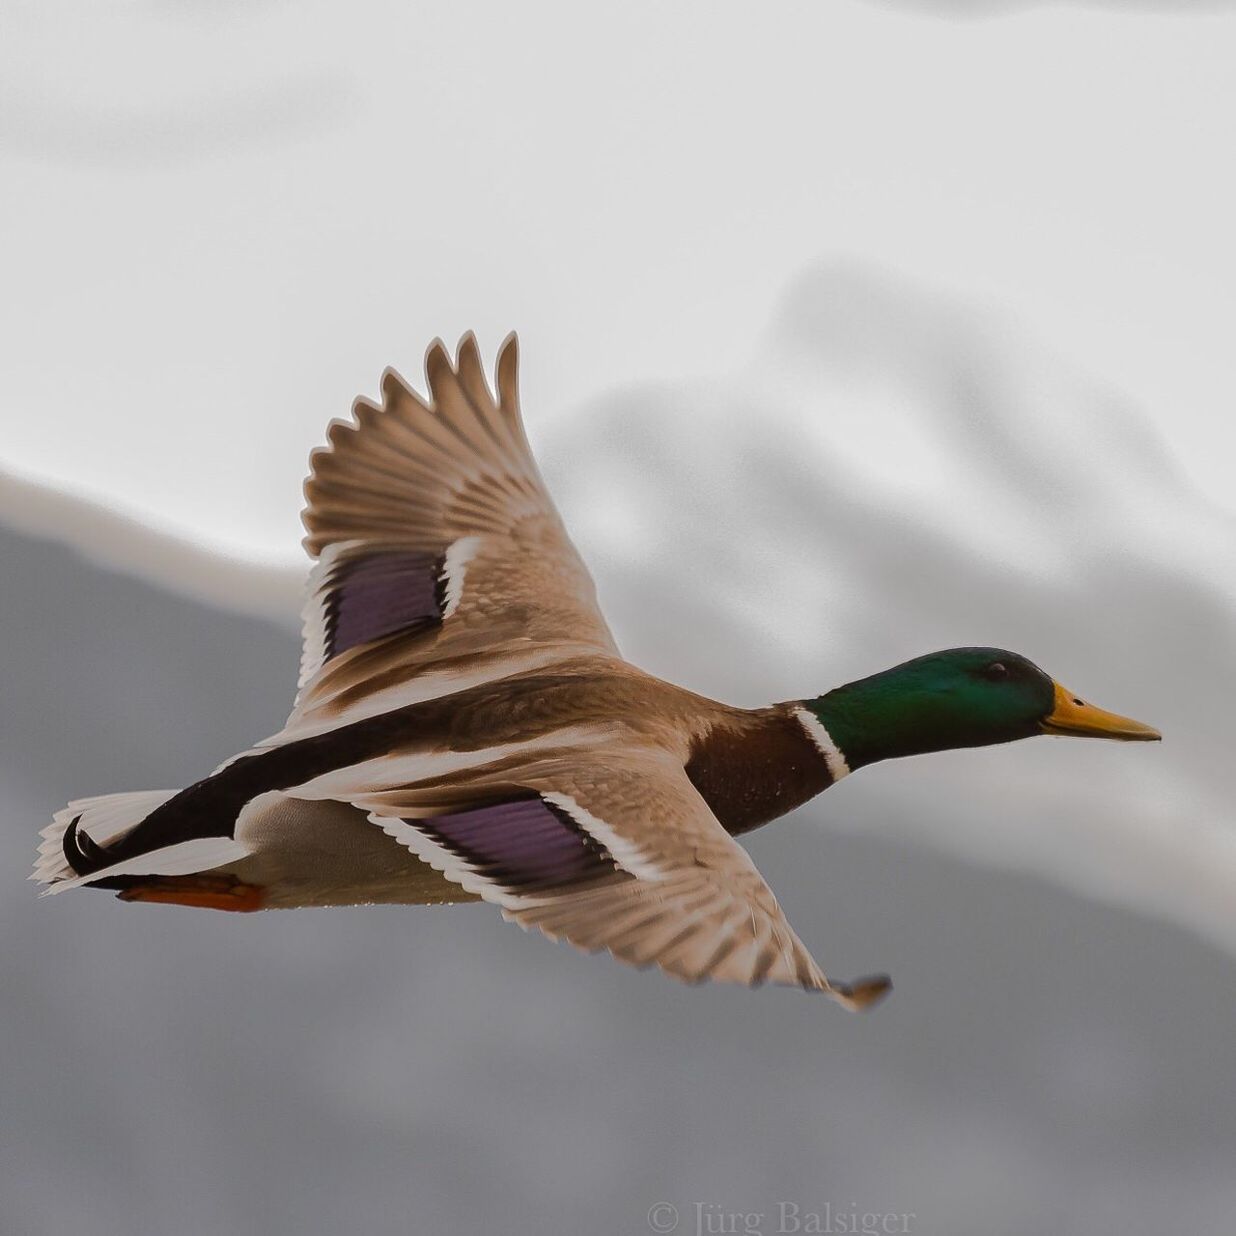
(206, 891)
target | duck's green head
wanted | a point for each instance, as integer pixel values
(963, 697)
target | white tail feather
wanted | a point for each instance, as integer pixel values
(103, 819)
(183, 858)
(108, 818)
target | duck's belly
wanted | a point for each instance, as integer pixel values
(329, 854)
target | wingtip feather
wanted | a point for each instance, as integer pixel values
(507, 377)
(395, 388)
(438, 368)
(471, 370)
(862, 993)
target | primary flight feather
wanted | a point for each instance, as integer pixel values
(466, 728)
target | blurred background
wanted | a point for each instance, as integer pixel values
(849, 332)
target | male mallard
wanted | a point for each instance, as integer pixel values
(466, 728)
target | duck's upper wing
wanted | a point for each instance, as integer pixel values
(614, 850)
(441, 559)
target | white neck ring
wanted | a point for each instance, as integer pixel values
(833, 757)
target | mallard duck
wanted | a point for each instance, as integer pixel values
(467, 730)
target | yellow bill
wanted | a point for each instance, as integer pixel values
(1074, 716)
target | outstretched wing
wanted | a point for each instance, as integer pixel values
(617, 851)
(441, 558)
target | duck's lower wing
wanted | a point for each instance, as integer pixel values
(616, 852)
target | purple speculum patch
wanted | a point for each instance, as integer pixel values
(381, 595)
(524, 842)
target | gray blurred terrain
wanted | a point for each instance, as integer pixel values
(1044, 1063)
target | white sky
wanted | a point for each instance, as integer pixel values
(218, 226)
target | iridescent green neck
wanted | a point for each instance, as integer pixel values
(935, 703)
(869, 726)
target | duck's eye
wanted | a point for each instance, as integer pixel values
(996, 671)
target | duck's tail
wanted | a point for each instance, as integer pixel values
(75, 844)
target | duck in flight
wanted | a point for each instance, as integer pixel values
(466, 728)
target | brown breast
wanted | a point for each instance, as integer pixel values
(753, 772)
